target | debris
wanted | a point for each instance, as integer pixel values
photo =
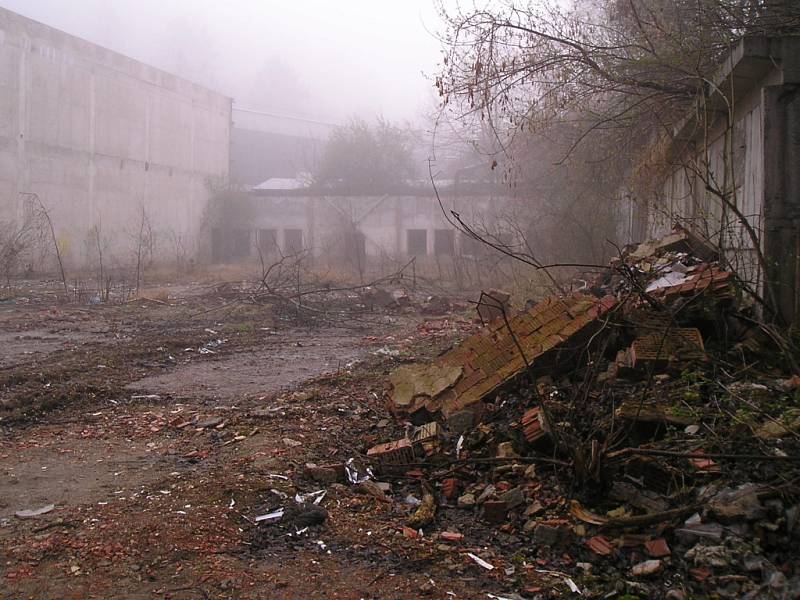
(426, 439)
(600, 545)
(480, 562)
(355, 473)
(390, 455)
(32, 513)
(506, 450)
(467, 501)
(658, 349)
(290, 443)
(324, 473)
(533, 424)
(308, 516)
(551, 533)
(450, 488)
(584, 515)
(495, 511)
(416, 387)
(426, 512)
(450, 536)
(657, 548)
(709, 556)
(370, 488)
(646, 568)
(272, 517)
(313, 497)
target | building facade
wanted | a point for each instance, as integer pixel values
(104, 142)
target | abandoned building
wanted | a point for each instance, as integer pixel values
(106, 143)
(102, 139)
(360, 228)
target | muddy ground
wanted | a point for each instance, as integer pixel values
(161, 428)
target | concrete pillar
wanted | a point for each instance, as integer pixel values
(782, 199)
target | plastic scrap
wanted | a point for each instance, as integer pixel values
(313, 497)
(272, 517)
(479, 561)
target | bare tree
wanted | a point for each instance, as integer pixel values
(143, 240)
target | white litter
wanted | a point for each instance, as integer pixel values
(481, 562)
(270, 517)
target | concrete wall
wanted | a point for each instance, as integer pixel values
(98, 136)
(755, 161)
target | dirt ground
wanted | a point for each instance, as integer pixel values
(159, 429)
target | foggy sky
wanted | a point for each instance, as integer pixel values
(325, 59)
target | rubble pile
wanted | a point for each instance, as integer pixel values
(636, 439)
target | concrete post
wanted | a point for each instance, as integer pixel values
(782, 198)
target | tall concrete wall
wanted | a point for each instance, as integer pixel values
(99, 136)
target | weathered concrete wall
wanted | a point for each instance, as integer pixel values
(746, 150)
(99, 137)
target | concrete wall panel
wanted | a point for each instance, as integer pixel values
(98, 136)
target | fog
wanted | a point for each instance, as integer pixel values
(315, 58)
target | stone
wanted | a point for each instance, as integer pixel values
(534, 508)
(513, 497)
(675, 594)
(324, 474)
(646, 568)
(495, 511)
(657, 548)
(550, 533)
(709, 556)
(530, 472)
(466, 501)
(487, 493)
(418, 386)
(290, 443)
(740, 503)
(530, 526)
(461, 421)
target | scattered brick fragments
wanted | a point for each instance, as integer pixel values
(600, 545)
(657, 548)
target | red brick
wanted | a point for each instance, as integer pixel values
(600, 545)
(392, 453)
(657, 548)
(450, 536)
